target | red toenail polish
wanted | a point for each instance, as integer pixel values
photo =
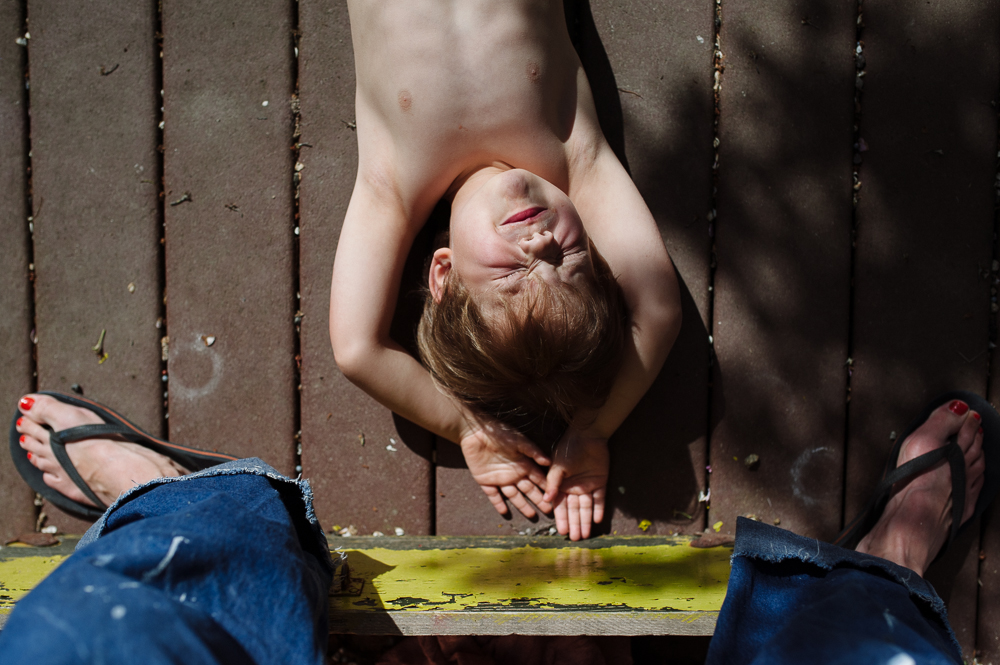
(27, 403)
(21, 439)
(976, 416)
(958, 408)
(29, 456)
(980, 430)
(19, 421)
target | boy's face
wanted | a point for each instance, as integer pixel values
(507, 226)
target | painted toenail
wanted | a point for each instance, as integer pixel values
(980, 430)
(976, 416)
(21, 439)
(29, 456)
(19, 421)
(958, 408)
(27, 403)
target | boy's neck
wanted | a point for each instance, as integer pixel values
(471, 179)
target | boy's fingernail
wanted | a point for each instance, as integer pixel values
(958, 408)
(976, 416)
(19, 422)
(27, 403)
(29, 456)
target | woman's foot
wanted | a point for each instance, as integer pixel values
(108, 467)
(917, 519)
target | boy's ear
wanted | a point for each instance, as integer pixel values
(440, 267)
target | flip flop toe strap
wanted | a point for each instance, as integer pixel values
(101, 431)
(58, 445)
(866, 520)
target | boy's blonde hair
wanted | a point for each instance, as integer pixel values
(545, 350)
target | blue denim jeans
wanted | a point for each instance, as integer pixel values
(797, 600)
(228, 565)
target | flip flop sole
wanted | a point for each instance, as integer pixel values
(193, 459)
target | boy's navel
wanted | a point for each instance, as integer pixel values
(405, 101)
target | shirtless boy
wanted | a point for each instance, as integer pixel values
(486, 104)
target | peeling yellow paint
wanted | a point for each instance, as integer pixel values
(19, 575)
(622, 578)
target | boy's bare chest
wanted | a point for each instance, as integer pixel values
(440, 97)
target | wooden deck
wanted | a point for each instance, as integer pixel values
(833, 214)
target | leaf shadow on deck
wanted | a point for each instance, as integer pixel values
(920, 294)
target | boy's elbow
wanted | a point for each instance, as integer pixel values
(660, 326)
(350, 353)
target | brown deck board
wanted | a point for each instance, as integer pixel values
(783, 252)
(96, 221)
(369, 486)
(651, 80)
(925, 229)
(228, 82)
(18, 514)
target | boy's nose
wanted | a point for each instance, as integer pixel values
(541, 246)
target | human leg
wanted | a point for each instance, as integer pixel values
(225, 565)
(794, 599)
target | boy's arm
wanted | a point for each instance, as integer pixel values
(373, 246)
(624, 231)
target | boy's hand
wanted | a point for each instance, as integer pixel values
(577, 483)
(506, 464)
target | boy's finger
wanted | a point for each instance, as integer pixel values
(586, 514)
(534, 452)
(573, 505)
(534, 494)
(516, 498)
(535, 476)
(562, 518)
(553, 481)
(598, 505)
(494, 496)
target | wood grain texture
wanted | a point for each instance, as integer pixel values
(96, 221)
(346, 435)
(16, 294)
(516, 622)
(783, 249)
(228, 83)
(925, 231)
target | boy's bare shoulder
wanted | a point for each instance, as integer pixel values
(444, 87)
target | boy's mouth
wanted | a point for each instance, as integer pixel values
(524, 215)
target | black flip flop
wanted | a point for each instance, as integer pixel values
(115, 426)
(869, 516)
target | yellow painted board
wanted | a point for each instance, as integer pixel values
(623, 577)
(495, 586)
(21, 574)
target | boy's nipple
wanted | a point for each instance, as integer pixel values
(405, 101)
(532, 71)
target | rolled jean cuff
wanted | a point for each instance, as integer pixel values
(251, 465)
(764, 542)
(767, 550)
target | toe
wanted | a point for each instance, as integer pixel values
(31, 444)
(944, 422)
(29, 427)
(969, 430)
(47, 410)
